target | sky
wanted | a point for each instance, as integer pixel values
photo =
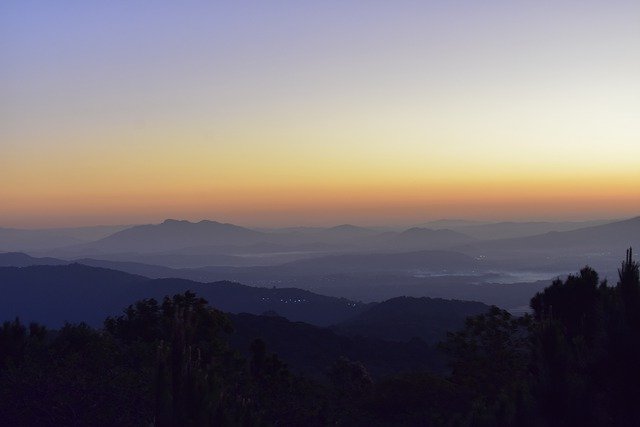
(316, 113)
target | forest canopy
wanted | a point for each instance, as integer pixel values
(572, 361)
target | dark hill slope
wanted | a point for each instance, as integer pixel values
(404, 318)
(53, 295)
(312, 350)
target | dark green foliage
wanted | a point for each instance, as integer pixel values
(285, 399)
(586, 348)
(181, 339)
(490, 361)
(311, 351)
(351, 386)
(416, 399)
(576, 303)
(574, 361)
(162, 364)
(71, 377)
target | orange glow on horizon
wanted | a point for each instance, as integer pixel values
(260, 115)
(333, 202)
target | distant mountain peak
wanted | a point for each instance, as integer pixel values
(207, 221)
(203, 222)
(173, 234)
(421, 230)
(348, 227)
(170, 221)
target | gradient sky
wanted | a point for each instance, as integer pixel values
(318, 112)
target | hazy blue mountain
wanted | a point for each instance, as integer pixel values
(343, 233)
(611, 238)
(421, 261)
(54, 294)
(191, 258)
(186, 259)
(173, 234)
(364, 277)
(348, 267)
(15, 239)
(19, 259)
(12, 239)
(425, 238)
(186, 244)
(506, 230)
(157, 262)
(263, 248)
(207, 237)
(450, 223)
(91, 233)
(490, 230)
(405, 318)
(338, 238)
(343, 229)
(431, 260)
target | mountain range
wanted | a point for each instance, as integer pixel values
(181, 244)
(360, 277)
(509, 229)
(53, 295)
(613, 236)
(15, 239)
(294, 322)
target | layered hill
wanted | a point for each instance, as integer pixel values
(187, 244)
(419, 261)
(16, 239)
(431, 260)
(20, 259)
(614, 236)
(173, 234)
(53, 295)
(363, 277)
(427, 238)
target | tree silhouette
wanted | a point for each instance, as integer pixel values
(572, 362)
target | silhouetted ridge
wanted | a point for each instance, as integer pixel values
(350, 228)
(19, 259)
(614, 236)
(54, 294)
(174, 234)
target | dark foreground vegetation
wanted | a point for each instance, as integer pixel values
(574, 361)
